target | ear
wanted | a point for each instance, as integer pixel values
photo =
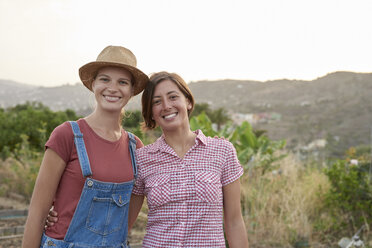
(92, 85)
(189, 105)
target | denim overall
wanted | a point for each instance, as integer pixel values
(101, 216)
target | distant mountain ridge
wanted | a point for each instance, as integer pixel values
(337, 104)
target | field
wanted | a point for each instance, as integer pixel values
(287, 200)
(282, 208)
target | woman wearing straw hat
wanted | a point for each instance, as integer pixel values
(89, 167)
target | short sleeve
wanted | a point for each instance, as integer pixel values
(139, 186)
(61, 141)
(232, 169)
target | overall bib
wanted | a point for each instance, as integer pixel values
(101, 216)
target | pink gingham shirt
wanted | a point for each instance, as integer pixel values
(184, 196)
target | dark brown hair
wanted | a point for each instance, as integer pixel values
(148, 94)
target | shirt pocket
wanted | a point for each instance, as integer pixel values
(108, 214)
(208, 187)
(158, 190)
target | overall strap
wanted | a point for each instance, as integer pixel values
(132, 150)
(81, 150)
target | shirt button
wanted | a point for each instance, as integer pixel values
(90, 183)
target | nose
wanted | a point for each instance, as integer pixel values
(112, 87)
(166, 104)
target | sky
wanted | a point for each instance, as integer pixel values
(44, 42)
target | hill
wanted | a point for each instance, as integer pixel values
(336, 106)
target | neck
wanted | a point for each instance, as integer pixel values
(105, 124)
(180, 140)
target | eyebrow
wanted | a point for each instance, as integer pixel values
(102, 74)
(105, 75)
(170, 92)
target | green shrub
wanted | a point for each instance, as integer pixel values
(32, 119)
(349, 199)
(248, 145)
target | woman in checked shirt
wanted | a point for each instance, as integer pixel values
(190, 180)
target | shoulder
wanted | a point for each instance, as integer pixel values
(66, 126)
(220, 143)
(63, 129)
(139, 142)
(151, 148)
(146, 149)
(214, 142)
(61, 140)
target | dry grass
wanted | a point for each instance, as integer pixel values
(280, 207)
(18, 177)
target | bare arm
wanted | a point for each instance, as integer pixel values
(46, 184)
(135, 206)
(234, 224)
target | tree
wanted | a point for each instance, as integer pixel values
(132, 119)
(32, 119)
(200, 108)
(219, 117)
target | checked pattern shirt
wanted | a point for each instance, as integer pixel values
(184, 196)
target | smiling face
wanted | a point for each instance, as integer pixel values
(170, 106)
(175, 82)
(112, 88)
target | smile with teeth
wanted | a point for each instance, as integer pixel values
(169, 116)
(112, 98)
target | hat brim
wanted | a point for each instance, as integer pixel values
(88, 71)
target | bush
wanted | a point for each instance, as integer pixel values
(349, 199)
(32, 119)
(248, 145)
(18, 173)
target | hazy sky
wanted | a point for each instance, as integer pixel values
(44, 42)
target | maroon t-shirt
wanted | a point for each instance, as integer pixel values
(109, 160)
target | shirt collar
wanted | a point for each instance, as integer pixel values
(161, 145)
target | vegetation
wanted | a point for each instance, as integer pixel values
(34, 120)
(350, 196)
(218, 116)
(285, 202)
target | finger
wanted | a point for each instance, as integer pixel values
(50, 224)
(52, 219)
(53, 213)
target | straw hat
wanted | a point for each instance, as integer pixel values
(114, 56)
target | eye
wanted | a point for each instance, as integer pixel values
(124, 82)
(173, 97)
(155, 102)
(103, 79)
